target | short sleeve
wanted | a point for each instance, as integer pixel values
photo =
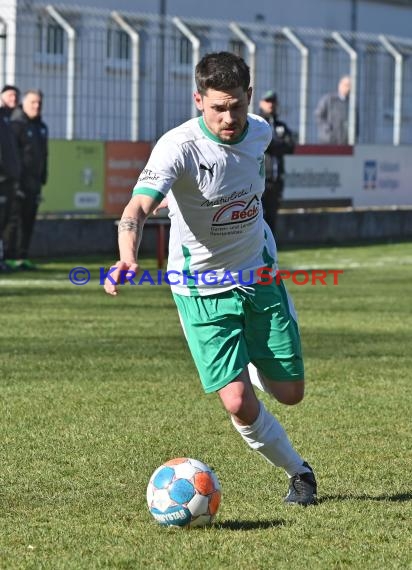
(163, 169)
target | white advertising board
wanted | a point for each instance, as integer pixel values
(319, 177)
(373, 175)
(386, 176)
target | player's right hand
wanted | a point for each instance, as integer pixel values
(117, 274)
(163, 204)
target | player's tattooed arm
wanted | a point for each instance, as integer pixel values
(130, 229)
(130, 232)
(130, 225)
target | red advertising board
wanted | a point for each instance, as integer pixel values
(124, 163)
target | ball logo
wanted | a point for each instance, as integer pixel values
(237, 212)
(184, 493)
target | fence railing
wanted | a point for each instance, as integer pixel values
(124, 76)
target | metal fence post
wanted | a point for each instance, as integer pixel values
(134, 37)
(181, 26)
(354, 75)
(303, 90)
(3, 38)
(71, 36)
(397, 103)
(251, 47)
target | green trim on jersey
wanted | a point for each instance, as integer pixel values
(267, 258)
(186, 271)
(158, 196)
(213, 137)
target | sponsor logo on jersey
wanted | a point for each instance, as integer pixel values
(148, 175)
(237, 212)
(226, 199)
(208, 168)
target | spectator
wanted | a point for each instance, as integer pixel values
(32, 140)
(282, 143)
(9, 99)
(9, 176)
(211, 169)
(332, 114)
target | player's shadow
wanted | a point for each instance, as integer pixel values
(250, 525)
(397, 498)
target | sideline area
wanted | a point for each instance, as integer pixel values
(89, 235)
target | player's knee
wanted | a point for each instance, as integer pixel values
(243, 410)
(290, 399)
(289, 394)
(235, 405)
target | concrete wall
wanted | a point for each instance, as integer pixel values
(345, 227)
(54, 238)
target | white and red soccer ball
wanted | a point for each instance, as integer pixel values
(184, 493)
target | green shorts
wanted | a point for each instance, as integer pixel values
(228, 330)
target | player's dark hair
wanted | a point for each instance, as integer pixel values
(221, 71)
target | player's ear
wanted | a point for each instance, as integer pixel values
(249, 94)
(198, 100)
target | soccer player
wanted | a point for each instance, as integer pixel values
(240, 324)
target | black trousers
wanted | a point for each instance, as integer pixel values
(23, 213)
(271, 200)
(7, 190)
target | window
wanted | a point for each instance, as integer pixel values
(237, 47)
(118, 45)
(50, 38)
(185, 51)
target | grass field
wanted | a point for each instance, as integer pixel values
(96, 392)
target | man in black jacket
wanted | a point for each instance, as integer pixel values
(282, 143)
(32, 140)
(9, 176)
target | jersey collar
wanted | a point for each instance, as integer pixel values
(214, 138)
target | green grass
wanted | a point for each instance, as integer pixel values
(96, 392)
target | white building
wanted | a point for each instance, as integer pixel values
(391, 17)
(123, 69)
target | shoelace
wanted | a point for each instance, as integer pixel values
(300, 484)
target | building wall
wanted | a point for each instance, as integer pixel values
(103, 103)
(372, 16)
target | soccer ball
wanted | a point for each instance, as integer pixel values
(183, 492)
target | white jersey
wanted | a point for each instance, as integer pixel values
(218, 238)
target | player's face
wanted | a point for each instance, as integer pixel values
(225, 112)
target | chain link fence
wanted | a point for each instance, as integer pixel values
(128, 76)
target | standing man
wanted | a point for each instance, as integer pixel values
(282, 143)
(332, 114)
(9, 177)
(32, 141)
(9, 163)
(240, 328)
